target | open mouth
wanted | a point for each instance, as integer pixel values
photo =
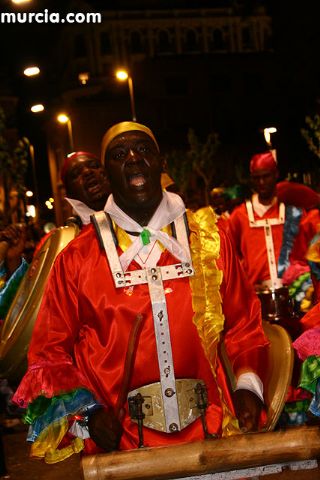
(137, 180)
(93, 186)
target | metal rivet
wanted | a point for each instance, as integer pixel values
(169, 392)
(187, 264)
(118, 275)
(173, 427)
(154, 277)
(153, 270)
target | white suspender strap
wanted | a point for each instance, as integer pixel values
(164, 350)
(266, 224)
(102, 226)
(271, 256)
(154, 277)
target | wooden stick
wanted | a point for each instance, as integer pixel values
(208, 456)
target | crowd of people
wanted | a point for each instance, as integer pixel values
(137, 305)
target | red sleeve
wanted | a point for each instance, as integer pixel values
(246, 344)
(51, 369)
(235, 230)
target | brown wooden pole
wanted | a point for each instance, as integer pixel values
(208, 456)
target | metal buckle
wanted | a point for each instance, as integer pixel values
(151, 407)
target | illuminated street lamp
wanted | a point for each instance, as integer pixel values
(267, 134)
(65, 119)
(31, 71)
(123, 75)
(83, 78)
(39, 107)
(20, 2)
(29, 193)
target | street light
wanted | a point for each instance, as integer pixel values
(267, 134)
(39, 107)
(123, 75)
(31, 71)
(29, 193)
(65, 119)
(20, 2)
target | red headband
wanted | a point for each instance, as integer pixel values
(70, 157)
(263, 161)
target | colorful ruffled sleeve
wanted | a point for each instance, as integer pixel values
(308, 349)
(10, 287)
(54, 391)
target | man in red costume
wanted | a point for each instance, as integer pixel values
(258, 226)
(134, 309)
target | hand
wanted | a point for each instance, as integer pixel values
(105, 429)
(16, 237)
(248, 407)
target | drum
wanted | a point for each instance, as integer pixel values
(278, 307)
(18, 324)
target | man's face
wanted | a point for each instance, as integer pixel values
(86, 181)
(264, 183)
(134, 169)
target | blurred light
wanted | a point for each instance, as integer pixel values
(37, 108)
(31, 71)
(63, 118)
(267, 134)
(83, 78)
(48, 227)
(29, 193)
(20, 2)
(31, 211)
(122, 75)
(51, 199)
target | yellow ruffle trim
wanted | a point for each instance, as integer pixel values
(46, 444)
(206, 299)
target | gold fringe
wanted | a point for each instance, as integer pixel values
(206, 299)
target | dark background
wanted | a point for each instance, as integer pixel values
(243, 93)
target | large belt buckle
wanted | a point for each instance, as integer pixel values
(152, 403)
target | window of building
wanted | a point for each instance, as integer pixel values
(164, 42)
(247, 38)
(136, 42)
(218, 42)
(191, 43)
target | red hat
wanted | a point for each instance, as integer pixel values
(263, 161)
(70, 157)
